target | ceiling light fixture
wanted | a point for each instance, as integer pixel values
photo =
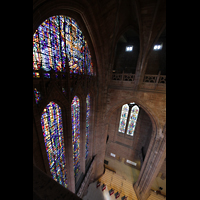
(129, 48)
(157, 47)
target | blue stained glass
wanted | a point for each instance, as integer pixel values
(46, 75)
(51, 122)
(57, 38)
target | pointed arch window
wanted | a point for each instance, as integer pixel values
(87, 125)
(51, 122)
(129, 112)
(133, 120)
(75, 112)
(123, 118)
(56, 39)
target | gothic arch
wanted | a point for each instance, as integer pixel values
(73, 10)
(156, 145)
(123, 30)
(143, 105)
(150, 50)
(79, 92)
(56, 95)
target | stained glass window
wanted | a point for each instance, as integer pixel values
(51, 122)
(57, 38)
(133, 120)
(123, 118)
(75, 111)
(87, 125)
(63, 90)
(37, 95)
(36, 75)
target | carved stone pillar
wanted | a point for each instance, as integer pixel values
(151, 165)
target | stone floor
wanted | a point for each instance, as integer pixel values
(114, 181)
(129, 173)
(121, 182)
(132, 174)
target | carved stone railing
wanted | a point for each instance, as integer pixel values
(148, 78)
(162, 79)
(154, 82)
(64, 80)
(86, 180)
(123, 77)
(149, 83)
(42, 75)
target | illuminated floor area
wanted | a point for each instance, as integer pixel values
(114, 181)
(129, 173)
(154, 196)
(158, 182)
(119, 184)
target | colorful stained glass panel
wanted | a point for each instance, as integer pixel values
(51, 122)
(75, 111)
(123, 118)
(87, 125)
(37, 95)
(133, 120)
(58, 38)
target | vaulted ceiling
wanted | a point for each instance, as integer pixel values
(107, 25)
(106, 22)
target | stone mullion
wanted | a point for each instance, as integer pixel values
(67, 130)
(155, 166)
(149, 168)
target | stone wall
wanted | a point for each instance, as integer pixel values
(102, 24)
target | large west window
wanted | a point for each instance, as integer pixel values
(56, 40)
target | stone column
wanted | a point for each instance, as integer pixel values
(151, 166)
(67, 132)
